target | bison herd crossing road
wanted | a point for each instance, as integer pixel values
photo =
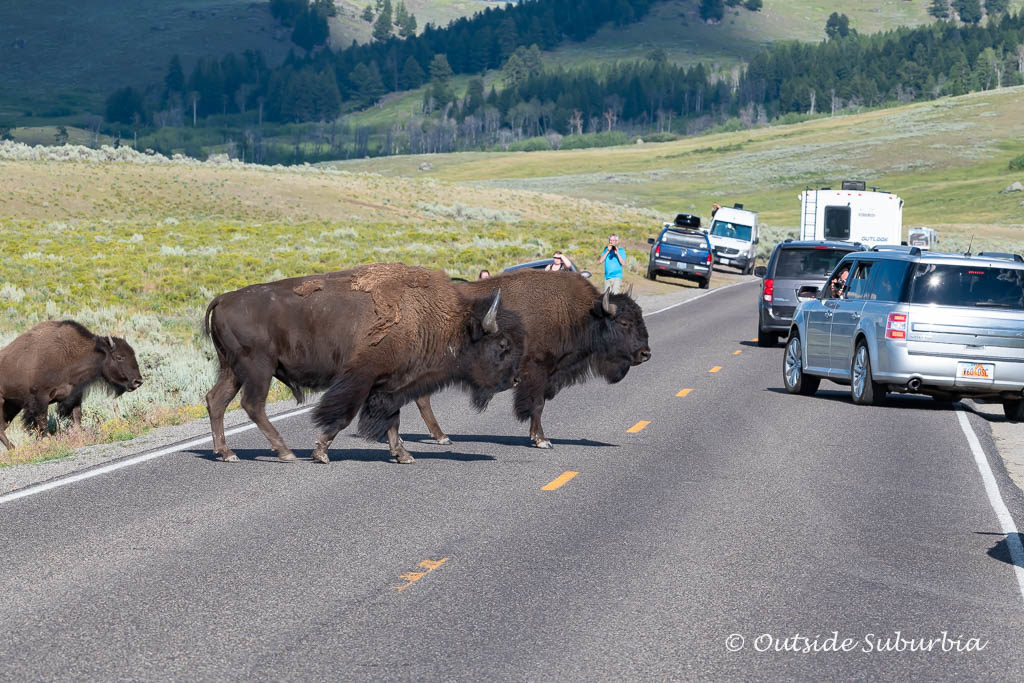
(695, 521)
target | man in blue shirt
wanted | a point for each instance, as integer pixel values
(614, 258)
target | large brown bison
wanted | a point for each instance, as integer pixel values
(572, 332)
(55, 362)
(375, 337)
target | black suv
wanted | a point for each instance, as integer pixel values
(793, 264)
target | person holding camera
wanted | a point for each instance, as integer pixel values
(614, 258)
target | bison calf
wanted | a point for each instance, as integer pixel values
(375, 337)
(55, 362)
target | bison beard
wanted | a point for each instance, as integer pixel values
(375, 337)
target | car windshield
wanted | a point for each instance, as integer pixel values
(681, 239)
(733, 230)
(956, 285)
(807, 262)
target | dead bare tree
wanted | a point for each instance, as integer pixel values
(576, 122)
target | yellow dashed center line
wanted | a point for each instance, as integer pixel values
(412, 577)
(638, 426)
(754, 339)
(684, 392)
(715, 369)
(559, 482)
(737, 352)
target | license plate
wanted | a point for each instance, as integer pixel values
(725, 261)
(683, 266)
(982, 372)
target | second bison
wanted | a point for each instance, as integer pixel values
(55, 362)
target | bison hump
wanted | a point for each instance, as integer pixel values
(388, 284)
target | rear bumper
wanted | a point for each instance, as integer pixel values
(683, 269)
(774, 321)
(896, 365)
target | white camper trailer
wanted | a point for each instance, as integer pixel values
(852, 214)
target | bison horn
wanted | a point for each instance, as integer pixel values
(490, 323)
(607, 305)
(110, 341)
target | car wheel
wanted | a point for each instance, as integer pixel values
(1014, 409)
(651, 275)
(766, 339)
(863, 388)
(749, 270)
(793, 369)
(704, 284)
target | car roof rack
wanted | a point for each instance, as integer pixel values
(1001, 255)
(913, 251)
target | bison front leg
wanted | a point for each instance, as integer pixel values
(397, 446)
(529, 404)
(427, 413)
(217, 400)
(536, 430)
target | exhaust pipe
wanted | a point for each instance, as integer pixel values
(914, 385)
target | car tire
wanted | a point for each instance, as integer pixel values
(793, 377)
(766, 339)
(704, 284)
(1014, 409)
(864, 390)
(749, 270)
(651, 275)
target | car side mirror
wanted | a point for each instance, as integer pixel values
(585, 273)
(760, 271)
(807, 292)
(650, 240)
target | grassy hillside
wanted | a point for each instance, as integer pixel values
(947, 159)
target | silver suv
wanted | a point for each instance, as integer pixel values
(896, 319)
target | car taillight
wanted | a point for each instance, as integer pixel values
(657, 250)
(709, 258)
(896, 326)
(767, 289)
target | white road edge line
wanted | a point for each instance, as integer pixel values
(1006, 523)
(32, 490)
(88, 474)
(699, 296)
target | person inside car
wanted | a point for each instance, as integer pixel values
(838, 284)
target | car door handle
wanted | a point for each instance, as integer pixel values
(855, 316)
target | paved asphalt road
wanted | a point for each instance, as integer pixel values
(738, 510)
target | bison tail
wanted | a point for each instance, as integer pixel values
(209, 316)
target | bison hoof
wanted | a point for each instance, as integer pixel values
(286, 456)
(405, 459)
(444, 441)
(229, 457)
(542, 443)
(321, 456)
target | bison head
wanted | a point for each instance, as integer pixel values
(119, 367)
(621, 336)
(493, 349)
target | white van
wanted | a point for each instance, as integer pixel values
(733, 236)
(922, 237)
(852, 214)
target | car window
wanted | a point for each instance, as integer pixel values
(963, 285)
(837, 222)
(680, 239)
(888, 280)
(807, 262)
(734, 230)
(857, 284)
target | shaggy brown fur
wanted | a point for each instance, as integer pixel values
(375, 337)
(55, 362)
(572, 332)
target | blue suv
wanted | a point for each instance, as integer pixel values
(682, 253)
